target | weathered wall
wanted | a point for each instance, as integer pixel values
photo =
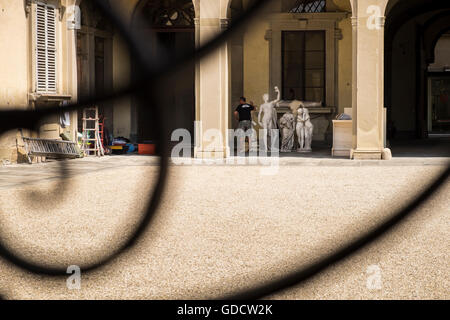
(17, 69)
(13, 54)
(14, 68)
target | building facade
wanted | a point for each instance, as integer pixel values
(387, 60)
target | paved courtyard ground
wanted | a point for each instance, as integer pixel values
(223, 228)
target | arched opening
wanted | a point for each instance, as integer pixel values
(172, 21)
(417, 52)
(95, 60)
(438, 118)
(236, 52)
(303, 47)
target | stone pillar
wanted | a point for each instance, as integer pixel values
(368, 78)
(354, 79)
(71, 85)
(212, 86)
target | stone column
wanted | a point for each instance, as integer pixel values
(70, 78)
(368, 78)
(212, 92)
(354, 79)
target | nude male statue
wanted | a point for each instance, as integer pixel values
(304, 129)
(269, 120)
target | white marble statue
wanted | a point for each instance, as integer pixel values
(304, 129)
(269, 120)
(287, 127)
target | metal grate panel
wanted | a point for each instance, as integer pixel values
(309, 6)
(51, 148)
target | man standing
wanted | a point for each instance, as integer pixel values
(243, 114)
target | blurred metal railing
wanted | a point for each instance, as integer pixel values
(151, 71)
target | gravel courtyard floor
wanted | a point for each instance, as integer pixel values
(223, 228)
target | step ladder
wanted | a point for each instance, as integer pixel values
(91, 142)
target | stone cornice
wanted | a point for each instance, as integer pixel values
(62, 9)
(335, 16)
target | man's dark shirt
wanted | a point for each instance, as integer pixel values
(244, 111)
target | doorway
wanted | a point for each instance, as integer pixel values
(94, 61)
(439, 105)
(172, 24)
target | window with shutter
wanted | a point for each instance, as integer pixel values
(45, 48)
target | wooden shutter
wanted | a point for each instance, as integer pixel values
(45, 48)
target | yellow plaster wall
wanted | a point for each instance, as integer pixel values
(13, 54)
(256, 62)
(344, 85)
(14, 66)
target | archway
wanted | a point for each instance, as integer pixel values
(413, 28)
(294, 45)
(95, 59)
(438, 111)
(172, 22)
(236, 51)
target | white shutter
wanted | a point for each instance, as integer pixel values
(45, 48)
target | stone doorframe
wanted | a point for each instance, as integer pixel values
(328, 22)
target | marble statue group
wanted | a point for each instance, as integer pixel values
(296, 121)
